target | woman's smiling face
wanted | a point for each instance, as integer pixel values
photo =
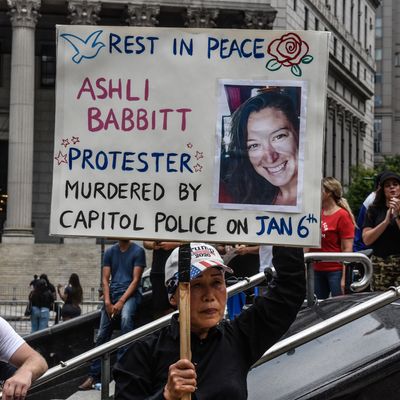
(272, 146)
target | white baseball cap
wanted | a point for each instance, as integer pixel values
(203, 256)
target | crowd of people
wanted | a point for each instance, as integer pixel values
(43, 298)
(151, 367)
(377, 228)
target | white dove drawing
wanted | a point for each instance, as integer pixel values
(84, 48)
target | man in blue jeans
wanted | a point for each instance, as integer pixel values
(124, 264)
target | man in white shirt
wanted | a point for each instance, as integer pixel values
(29, 363)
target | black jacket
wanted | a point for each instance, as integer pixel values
(224, 358)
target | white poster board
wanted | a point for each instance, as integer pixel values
(189, 134)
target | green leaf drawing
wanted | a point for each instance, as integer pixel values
(307, 59)
(273, 65)
(296, 70)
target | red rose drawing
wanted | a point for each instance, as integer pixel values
(289, 50)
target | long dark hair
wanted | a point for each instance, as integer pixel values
(76, 292)
(379, 202)
(245, 184)
(41, 295)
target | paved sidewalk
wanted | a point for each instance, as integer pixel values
(91, 394)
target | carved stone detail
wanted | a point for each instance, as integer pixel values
(24, 13)
(340, 109)
(363, 129)
(142, 15)
(332, 104)
(348, 115)
(258, 20)
(199, 17)
(84, 12)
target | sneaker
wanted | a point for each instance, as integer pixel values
(87, 384)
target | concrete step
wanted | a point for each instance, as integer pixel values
(19, 262)
(92, 394)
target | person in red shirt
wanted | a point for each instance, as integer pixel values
(337, 235)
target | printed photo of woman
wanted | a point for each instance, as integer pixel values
(261, 164)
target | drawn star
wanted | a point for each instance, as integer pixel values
(65, 143)
(189, 145)
(61, 158)
(197, 167)
(198, 155)
(75, 139)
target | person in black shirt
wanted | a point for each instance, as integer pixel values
(381, 232)
(41, 299)
(161, 252)
(54, 306)
(72, 297)
(222, 351)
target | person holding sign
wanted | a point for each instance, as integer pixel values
(151, 367)
(264, 151)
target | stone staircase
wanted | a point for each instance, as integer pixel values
(19, 262)
(92, 394)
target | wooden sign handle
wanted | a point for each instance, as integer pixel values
(184, 320)
(184, 305)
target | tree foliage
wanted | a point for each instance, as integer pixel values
(390, 164)
(362, 184)
(363, 179)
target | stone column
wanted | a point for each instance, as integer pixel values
(84, 12)
(24, 15)
(361, 133)
(142, 14)
(340, 119)
(348, 115)
(331, 122)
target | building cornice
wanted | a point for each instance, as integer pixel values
(248, 5)
(375, 3)
(349, 80)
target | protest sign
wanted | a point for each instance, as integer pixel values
(189, 134)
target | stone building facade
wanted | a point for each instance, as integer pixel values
(387, 81)
(350, 107)
(27, 83)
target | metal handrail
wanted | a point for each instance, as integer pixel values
(361, 258)
(330, 324)
(130, 337)
(105, 349)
